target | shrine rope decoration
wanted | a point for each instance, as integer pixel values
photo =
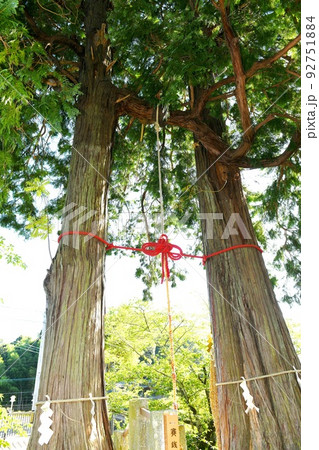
(162, 247)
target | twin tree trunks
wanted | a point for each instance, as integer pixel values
(250, 335)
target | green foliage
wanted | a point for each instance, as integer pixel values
(33, 113)
(37, 186)
(137, 363)
(18, 364)
(16, 380)
(39, 226)
(7, 252)
(278, 207)
(9, 422)
(165, 47)
(162, 50)
(295, 333)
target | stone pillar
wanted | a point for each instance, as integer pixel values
(138, 425)
(120, 440)
(156, 429)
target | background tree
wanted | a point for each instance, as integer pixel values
(208, 65)
(18, 363)
(138, 364)
(7, 422)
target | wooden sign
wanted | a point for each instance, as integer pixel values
(171, 431)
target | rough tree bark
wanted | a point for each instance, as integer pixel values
(250, 334)
(73, 364)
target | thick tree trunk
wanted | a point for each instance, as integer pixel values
(250, 334)
(73, 364)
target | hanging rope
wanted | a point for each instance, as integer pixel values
(165, 248)
(73, 400)
(158, 147)
(260, 377)
(171, 343)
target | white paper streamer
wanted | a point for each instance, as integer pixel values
(248, 397)
(93, 435)
(44, 429)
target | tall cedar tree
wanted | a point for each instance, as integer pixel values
(227, 72)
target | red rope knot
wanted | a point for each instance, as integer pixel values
(165, 249)
(161, 247)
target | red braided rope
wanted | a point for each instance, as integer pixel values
(161, 247)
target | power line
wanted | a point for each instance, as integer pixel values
(14, 362)
(17, 342)
(18, 392)
(33, 349)
(16, 379)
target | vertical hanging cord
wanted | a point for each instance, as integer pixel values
(169, 312)
(171, 342)
(158, 146)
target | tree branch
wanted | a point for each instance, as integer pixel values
(292, 72)
(134, 106)
(57, 38)
(240, 77)
(205, 97)
(263, 122)
(274, 116)
(223, 96)
(293, 147)
(70, 76)
(268, 61)
(289, 116)
(245, 146)
(208, 138)
(240, 80)
(215, 4)
(129, 103)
